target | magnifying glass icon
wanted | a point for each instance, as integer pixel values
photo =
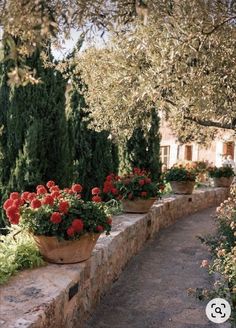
(218, 310)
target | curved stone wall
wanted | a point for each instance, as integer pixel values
(57, 296)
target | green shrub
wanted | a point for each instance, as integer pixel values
(219, 172)
(17, 252)
(180, 174)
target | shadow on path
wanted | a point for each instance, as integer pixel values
(152, 290)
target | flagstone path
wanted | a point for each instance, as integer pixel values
(152, 290)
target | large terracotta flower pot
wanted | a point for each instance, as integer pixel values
(137, 205)
(223, 182)
(66, 251)
(182, 187)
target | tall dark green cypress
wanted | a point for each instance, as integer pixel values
(95, 155)
(143, 151)
(35, 143)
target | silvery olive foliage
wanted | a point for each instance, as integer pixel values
(182, 62)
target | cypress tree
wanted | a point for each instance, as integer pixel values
(143, 151)
(95, 155)
(35, 142)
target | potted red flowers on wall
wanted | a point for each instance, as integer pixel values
(64, 226)
(136, 191)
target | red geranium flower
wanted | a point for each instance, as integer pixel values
(48, 200)
(14, 195)
(35, 203)
(56, 218)
(31, 196)
(143, 194)
(13, 214)
(96, 199)
(70, 231)
(8, 203)
(18, 202)
(50, 184)
(76, 187)
(55, 194)
(100, 228)
(148, 180)
(78, 225)
(55, 189)
(96, 191)
(141, 182)
(64, 207)
(114, 191)
(41, 190)
(25, 195)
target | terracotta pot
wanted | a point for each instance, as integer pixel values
(66, 251)
(182, 187)
(137, 205)
(223, 182)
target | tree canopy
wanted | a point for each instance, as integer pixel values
(183, 61)
(178, 56)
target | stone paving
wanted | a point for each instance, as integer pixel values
(152, 290)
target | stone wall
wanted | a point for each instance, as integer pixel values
(57, 296)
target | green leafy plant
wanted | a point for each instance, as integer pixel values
(131, 186)
(17, 252)
(55, 212)
(180, 174)
(219, 172)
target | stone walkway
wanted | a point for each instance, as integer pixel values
(152, 290)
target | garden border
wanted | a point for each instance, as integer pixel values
(64, 295)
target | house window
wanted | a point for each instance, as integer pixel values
(188, 155)
(228, 148)
(165, 155)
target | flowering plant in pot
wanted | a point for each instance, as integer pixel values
(136, 190)
(182, 179)
(222, 176)
(64, 226)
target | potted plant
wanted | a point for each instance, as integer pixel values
(181, 179)
(222, 176)
(136, 190)
(64, 226)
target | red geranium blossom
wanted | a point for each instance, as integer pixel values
(96, 199)
(25, 195)
(14, 195)
(96, 191)
(55, 189)
(76, 187)
(50, 184)
(8, 203)
(78, 225)
(143, 194)
(55, 194)
(64, 207)
(141, 182)
(56, 218)
(35, 203)
(41, 190)
(18, 202)
(70, 231)
(31, 196)
(13, 214)
(99, 228)
(48, 200)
